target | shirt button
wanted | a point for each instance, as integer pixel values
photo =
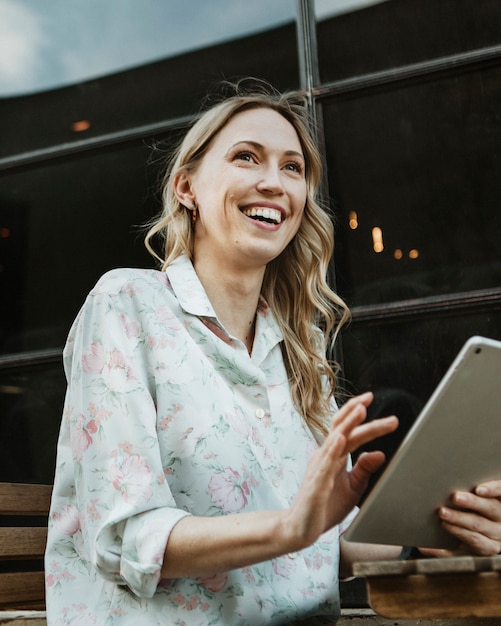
(276, 481)
(292, 555)
(260, 413)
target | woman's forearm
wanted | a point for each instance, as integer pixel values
(203, 546)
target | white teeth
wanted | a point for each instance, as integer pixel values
(269, 214)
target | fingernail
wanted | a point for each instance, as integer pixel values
(482, 491)
(459, 498)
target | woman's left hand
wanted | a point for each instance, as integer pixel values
(477, 523)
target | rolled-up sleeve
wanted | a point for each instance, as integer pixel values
(126, 510)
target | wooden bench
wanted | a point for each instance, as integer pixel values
(460, 587)
(24, 509)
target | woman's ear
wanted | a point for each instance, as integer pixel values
(183, 188)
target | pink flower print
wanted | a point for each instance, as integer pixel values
(117, 374)
(318, 561)
(258, 441)
(161, 478)
(133, 478)
(165, 421)
(93, 358)
(164, 314)
(179, 599)
(228, 490)
(237, 422)
(129, 290)
(161, 341)
(84, 619)
(92, 512)
(91, 427)
(98, 413)
(57, 574)
(249, 576)
(67, 520)
(214, 583)
(284, 566)
(126, 446)
(193, 603)
(82, 435)
(131, 327)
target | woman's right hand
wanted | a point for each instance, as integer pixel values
(203, 546)
(329, 490)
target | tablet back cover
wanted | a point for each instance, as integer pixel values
(453, 444)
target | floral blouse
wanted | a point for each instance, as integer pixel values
(166, 415)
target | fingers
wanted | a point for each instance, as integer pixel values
(357, 404)
(491, 489)
(489, 507)
(367, 463)
(371, 430)
(479, 534)
(349, 421)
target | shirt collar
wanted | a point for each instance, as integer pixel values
(188, 289)
(193, 298)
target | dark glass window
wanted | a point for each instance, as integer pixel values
(143, 65)
(364, 36)
(68, 221)
(31, 402)
(413, 173)
(402, 359)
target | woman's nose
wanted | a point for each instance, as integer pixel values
(271, 180)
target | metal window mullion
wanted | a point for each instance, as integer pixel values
(307, 45)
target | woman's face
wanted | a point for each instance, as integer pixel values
(250, 189)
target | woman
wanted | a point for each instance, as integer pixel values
(203, 473)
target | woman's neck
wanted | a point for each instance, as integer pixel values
(234, 296)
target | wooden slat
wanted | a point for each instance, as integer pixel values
(22, 590)
(457, 564)
(472, 595)
(24, 499)
(22, 543)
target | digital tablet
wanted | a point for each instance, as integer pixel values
(454, 444)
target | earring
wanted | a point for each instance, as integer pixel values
(194, 214)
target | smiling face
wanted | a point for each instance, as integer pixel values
(250, 189)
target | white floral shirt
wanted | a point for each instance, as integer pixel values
(165, 416)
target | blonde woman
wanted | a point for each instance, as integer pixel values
(203, 472)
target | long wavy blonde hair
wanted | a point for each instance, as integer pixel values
(295, 283)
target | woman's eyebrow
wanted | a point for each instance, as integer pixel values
(259, 146)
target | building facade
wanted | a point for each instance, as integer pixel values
(406, 96)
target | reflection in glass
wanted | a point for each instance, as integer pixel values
(419, 161)
(71, 220)
(41, 46)
(245, 40)
(360, 37)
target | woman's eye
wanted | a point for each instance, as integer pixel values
(244, 156)
(294, 167)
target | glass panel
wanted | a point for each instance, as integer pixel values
(403, 361)
(413, 173)
(41, 49)
(169, 56)
(363, 36)
(30, 413)
(67, 222)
